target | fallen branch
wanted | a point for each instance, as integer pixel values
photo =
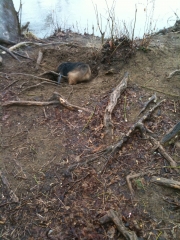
(70, 106)
(112, 103)
(113, 216)
(62, 101)
(6, 183)
(9, 52)
(175, 72)
(163, 152)
(29, 103)
(166, 182)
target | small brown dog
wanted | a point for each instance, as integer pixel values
(74, 72)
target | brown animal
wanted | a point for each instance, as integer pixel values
(74, 72)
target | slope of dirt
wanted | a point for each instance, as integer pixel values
(39, 143)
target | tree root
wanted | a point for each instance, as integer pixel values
(56, 95)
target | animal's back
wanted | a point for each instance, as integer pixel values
(65, 68)
(76, 72)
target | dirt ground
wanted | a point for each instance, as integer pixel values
(41, 197)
